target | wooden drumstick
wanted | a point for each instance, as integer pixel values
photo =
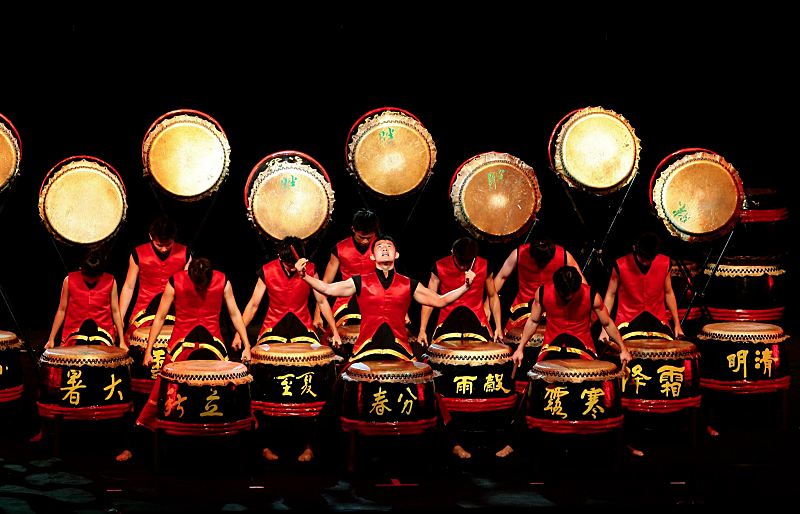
(294, 252)
(473, 263)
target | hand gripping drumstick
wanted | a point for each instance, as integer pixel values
(296, 257)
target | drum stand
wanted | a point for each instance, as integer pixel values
(702, 293)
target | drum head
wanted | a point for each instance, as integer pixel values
(289, 194)
(389, 371)
(464, 352)
(495, 196)
(9, 152)
(187, 155)
(597, 151)
(573, 370)
(699, 197)
(140, 334)
(86, 355)
(292, 354)
(9, 340)
(661, 349)
(390, 152)
(206, 372)
(743, 331)
(82, 201)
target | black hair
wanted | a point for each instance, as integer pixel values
(285, 246)
(566, 281)
(647, 245)
(163, 229)
(464, 250)
(364, 220)
(543, 250)
(92, 265)
(200, 273)
(383, 237)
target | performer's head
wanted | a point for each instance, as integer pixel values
(646, 248)
(365, 227)
(92, 266)
(384, 250)
(465, 250)
(200, 273)
(162, 233)
(285, 253)
(542, 250)
(566, 280)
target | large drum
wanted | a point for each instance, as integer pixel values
(743, 358)
(698, 196)
(85, 382)
(596, 150)
(10, 367)
(291, 379)
(82, 201)
(530, 353)
(10, 152)
(288, 194)
(143, 378)
(764, 227)
(746, 290)
(574, 396)
(390, 152)
(388, 398)
(662, 377)
(204, 398)
(495, 196)
(186, 154)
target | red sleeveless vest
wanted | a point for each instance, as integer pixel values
(379, 306)
(351, 263)
(85, 303)
(573, 318)
(638, 292)
(286, 294)
(450, 277)
(154, 273)
(193, 309)
(531, 276)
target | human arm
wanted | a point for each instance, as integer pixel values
(343, 288)
(158, 321)
(330, 273)
(494, 304)
(116, 317)
(251, 308)
(672, 305)
(238, 323)
(505, 271)
(425, 296)
(425, 313)
(325, 309)
(611, 329)
(61, 312)
(528, 330)
(126, 292)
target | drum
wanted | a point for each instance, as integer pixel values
(764, 225)
(746, 290)
(10, 152)
(390, 152)
(349, 335)
(574, 396)
(10, 367)
(596, 150)
(204, 398)
(684, 283)
(699, 196)
(85, 382)
(82, 201)
(291, 379)
(743, 358)
(388, 398)
(530, 353)
(475, 377)
(495, 196)
(662, 377)
(186, 154)
(143, 378)
(288, 194)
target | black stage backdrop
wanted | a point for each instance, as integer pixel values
(483, 84)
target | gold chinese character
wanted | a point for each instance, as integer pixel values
(286, 382)
(379, 405)
(112, 387)
(592, 397)
(739, 361)
(671, 378)
(211, 407)
(765, 357)
(407, 404)
(553, 396)
(307, 376)
(158, 361)
(494, 382)
(464, 384)
(639, 378)
(174, 404)
(74, 382)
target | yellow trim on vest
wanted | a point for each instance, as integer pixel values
(213, 349)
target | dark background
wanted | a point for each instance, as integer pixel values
(81, 83)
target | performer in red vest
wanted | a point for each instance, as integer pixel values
(535, 264)
(351, 257)
(384, 297)
(88, 308)
(149, 267)
(464, 318)
(641, 283)
(569, 304)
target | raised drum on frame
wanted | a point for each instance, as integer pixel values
(10, 152)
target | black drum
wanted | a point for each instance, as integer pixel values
(10, 367)
(85, 382)
(291, 379)
(530, 353)
(143, 378)
(763, 227)
(746, 290)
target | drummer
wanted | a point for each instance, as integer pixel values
(464, 318)
(535, 263)
(384, 297)
(642, 285)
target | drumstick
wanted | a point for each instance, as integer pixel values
(514, 371)
(473, 263)
(294, 252)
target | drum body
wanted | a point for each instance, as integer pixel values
(82, 201)
(186, 154)
(740, 357)
(289, 194)
(530, 353)
(388, 398)
(11, 385)
(390, 152)
(662, 377)
(684, 278)
(763, 229)
(85, 382)
(291, 379)
(743, 289)
(143, 378)
(574, 396)
(204, 398)
(495, 196)
(10, 152)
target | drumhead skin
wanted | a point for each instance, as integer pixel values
(82, 201)
(289, 194)
(390, 152)
(10, 152)
(597, 151)
(495, 196)
(699, 197)
(187, 154)
(86, 355)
